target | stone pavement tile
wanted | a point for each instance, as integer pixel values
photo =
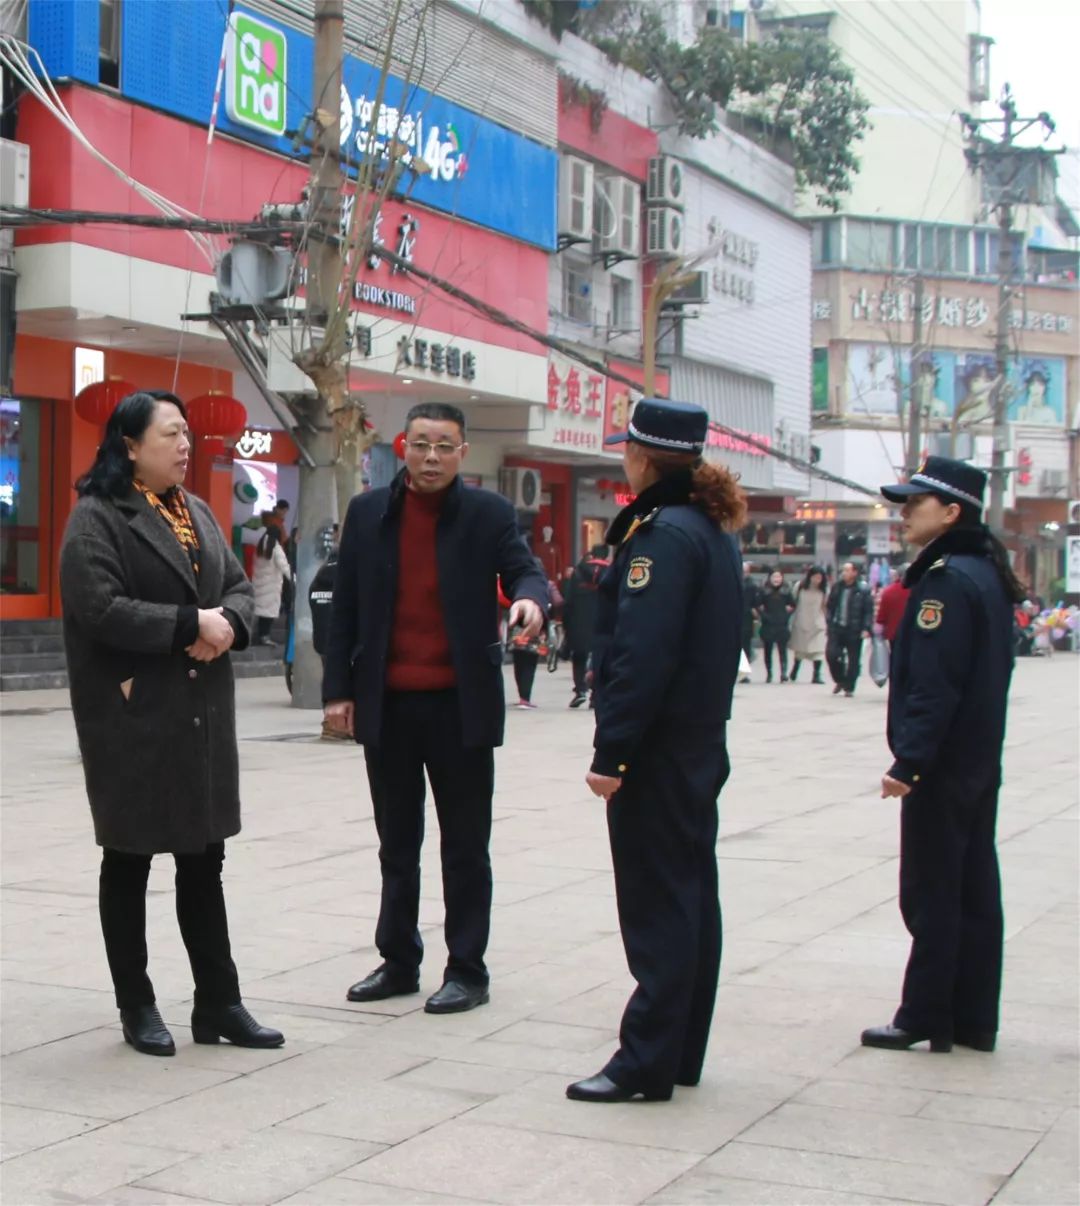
(264, 1167)
(698, 1187)
(473, 1161)
(684, 1124)
(25, 1130)
(904, 1139)
(605, 1002)
(992, 1111)
(389, 1114)
(132, 1195)
(32, 1014)
(565, 1061)
(344, 1191)
(76, 1169)
(948, 1185)
(482, 1080)
(1013, 1072)
(553, 1035)
(874, 1098)
(1051, 1173)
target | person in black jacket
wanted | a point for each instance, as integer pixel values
(949, 680)
(751, 598)
(849, 614)
(414, 672)
(776, 603)
(665, 659)
(579, 616)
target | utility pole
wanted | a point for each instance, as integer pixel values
(318, 493)
(914, 457)
(1011, 175)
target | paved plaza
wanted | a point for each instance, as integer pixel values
(384, 1104)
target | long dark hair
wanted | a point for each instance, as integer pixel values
(814, 569)
(971, 521)
(270, 537)
(111, 474)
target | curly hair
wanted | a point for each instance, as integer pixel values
(713, 489)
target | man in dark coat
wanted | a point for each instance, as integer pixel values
(951, 664)
(579, 615)
(414, 673)
(850, 614)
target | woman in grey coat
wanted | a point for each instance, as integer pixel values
(153, 600)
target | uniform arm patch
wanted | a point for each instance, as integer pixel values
(639, 574)
(930, 614)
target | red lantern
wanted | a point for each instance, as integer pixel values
(96, 402)
(216, 415)
(399, 445)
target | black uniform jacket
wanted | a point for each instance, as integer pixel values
(951, 664)
(477, 541)
(668, 630)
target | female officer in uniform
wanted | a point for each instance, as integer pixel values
(665, 657)
(951, 664)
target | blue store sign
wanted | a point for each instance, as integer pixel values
(464, 164)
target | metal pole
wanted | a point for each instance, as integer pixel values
(1001, 353)
(915, 414)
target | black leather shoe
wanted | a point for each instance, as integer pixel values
(892, 1038)
(977, 1040)
(234, 1023)
(603, 1089)
(146, 1032)
(383, 982)
(457, 997)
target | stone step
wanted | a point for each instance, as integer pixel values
(17, 628)
(41, 680)
(31, 663)
(32, 643)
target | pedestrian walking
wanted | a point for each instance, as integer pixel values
(579, 616)
(849, 613)
(951, 665)
(809, 624)
(153, 601)
(525, 651)
(751, 597)
(775, 605)
(666, 655)
(414, 673)
(269, 573)
(891, 605)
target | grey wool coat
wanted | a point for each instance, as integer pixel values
(157, 730)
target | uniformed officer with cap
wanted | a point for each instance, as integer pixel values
(951, 664)
(665, 658)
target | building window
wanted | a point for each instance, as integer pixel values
(622, 304)
(109, 43)
(826, 242)
(870, 245)
(577, 292)
(962, 251)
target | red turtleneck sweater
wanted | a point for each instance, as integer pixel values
(419, 647)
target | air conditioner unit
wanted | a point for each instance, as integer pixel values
(694, 293)
(522, 487)
(14, 173)
(665, 182)
(575, 200)
(1054, 481)
(665, 232)
(617, 218)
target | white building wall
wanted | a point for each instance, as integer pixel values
(910, 59)
(769, 337)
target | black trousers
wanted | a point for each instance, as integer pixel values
(781, 648)
(525, 672)
(950, 898)
(422, 731)
(579, 663)
(200, 910)
(662, 825)
(843, 652)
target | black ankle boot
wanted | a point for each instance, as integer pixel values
(234, 1023)
(817, 675)
(795, 670)
(146, 1032)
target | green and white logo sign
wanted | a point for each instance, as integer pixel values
(255, 85)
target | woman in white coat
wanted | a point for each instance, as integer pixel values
(271, 570)
(808, 626)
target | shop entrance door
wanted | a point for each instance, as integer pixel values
(26, 506)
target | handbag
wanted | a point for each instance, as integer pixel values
(879, 660)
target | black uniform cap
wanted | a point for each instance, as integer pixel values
(956, 481)
(668, 426)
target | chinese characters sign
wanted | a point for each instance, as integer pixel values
(575, 407)
(950, 312)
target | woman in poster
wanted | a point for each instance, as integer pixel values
(1035, 407)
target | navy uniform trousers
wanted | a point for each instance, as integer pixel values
(662, 824)
(950, 899)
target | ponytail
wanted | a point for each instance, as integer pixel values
(716, 491)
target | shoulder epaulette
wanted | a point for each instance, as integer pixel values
(940, 563)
